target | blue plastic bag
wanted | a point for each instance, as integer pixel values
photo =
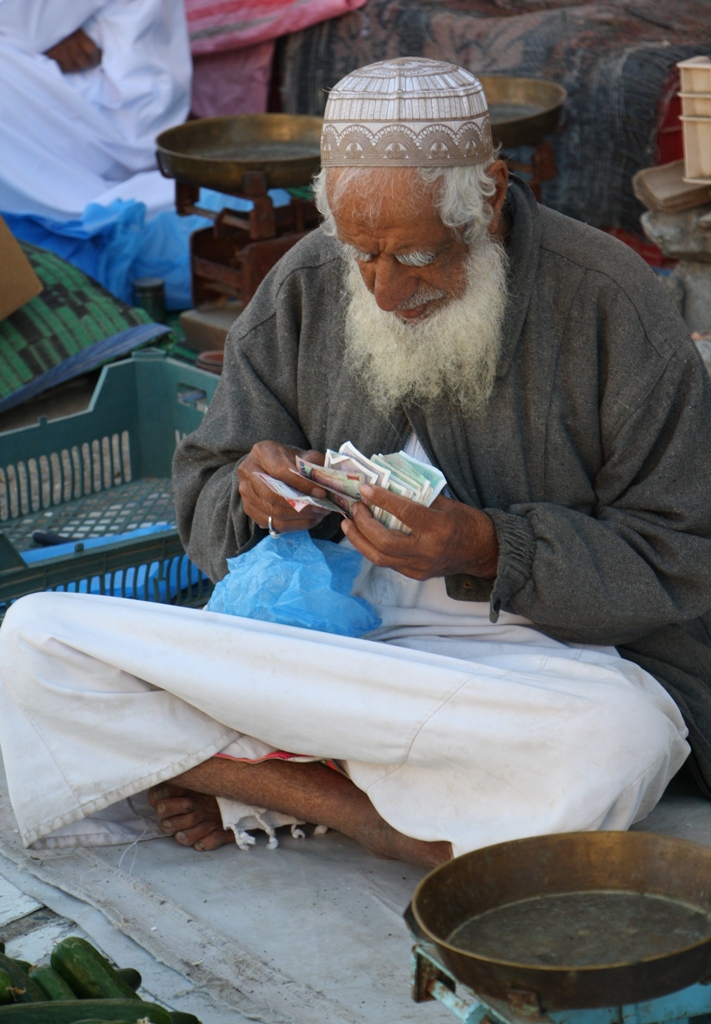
(114, 244)
(296, 581)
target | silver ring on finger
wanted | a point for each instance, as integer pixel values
(270, 527)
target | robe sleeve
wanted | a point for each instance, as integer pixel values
(642, 559)
(256, 400)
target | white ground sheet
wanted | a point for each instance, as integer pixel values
(457, 729)
(69, 139)
(309, 933)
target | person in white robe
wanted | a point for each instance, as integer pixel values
(87, 134)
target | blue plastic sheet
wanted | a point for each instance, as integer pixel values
(296, 581)
(103, 243)
(114, 244)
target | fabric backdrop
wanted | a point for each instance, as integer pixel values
(216, 25)
(613, 56)
(232, 42)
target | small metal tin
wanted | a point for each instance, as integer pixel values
(149, 294)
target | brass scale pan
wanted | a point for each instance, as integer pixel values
(216, 151)
(579, 920)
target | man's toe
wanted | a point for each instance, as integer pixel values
(180, 822)
(164, 792)
(193, 819)
(218, 837)
(190, 836)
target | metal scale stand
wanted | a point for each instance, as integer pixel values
(432, 980)
(233, 256)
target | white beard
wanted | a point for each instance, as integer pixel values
(453, 352)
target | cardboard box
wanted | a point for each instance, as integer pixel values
(207, 327)
(18, 281)
(663, 189)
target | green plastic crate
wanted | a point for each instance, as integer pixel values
(102, 472)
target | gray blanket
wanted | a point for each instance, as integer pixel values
(592, 457)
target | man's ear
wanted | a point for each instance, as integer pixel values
(499, 171)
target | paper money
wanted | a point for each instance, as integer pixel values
(349, 459)
(341, 480)
(345, 464)
(347, 469)
(380, 475)
(434, 478)
(298, 500)
(408, 485)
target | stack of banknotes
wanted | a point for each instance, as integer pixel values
(346, 470)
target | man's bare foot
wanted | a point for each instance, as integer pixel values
(311, 792)
(377, 837)
(193, 819)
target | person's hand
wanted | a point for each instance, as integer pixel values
(448, 537)
(259, 501)
(75, 53)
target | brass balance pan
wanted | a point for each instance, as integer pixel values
(522, 110)
(214, 152)
(578, 920)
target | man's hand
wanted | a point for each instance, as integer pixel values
(448, 537)
(259, 502)
(75, 53)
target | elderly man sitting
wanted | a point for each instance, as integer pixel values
(544, 640)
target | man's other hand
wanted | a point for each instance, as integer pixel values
(448, 537)
(259, 502)
(75, 53)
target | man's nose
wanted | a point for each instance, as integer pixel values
(391, 284)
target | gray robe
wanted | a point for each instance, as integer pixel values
(593, 456)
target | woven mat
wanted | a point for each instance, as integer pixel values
(72, 314)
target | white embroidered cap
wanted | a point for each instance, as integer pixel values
(406, 112)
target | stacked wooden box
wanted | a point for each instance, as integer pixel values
(696, 118)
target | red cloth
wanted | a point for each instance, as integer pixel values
(232, 81)
(217, 25)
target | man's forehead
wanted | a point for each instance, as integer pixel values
(391, 187)
(374, 221)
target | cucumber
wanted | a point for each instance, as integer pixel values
(5, 987)
(24, 989)
(87, 972)
(183, 1018)
(25, 965)
(52, 984)
(131, 976)
(71, 1011)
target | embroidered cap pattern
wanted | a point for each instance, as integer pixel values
(406, 112)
